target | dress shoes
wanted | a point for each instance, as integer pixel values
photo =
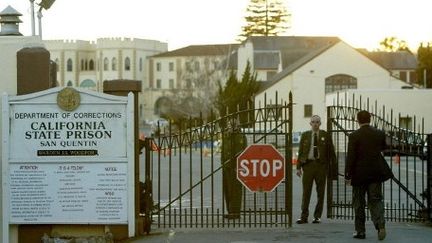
(381, 234)
(301, 221)
(359, 235)
(316, 221)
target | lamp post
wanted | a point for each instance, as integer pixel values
(44, 4)
(32, 17)
(39, 15)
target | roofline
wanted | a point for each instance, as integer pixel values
(298, 64)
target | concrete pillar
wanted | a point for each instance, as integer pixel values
(122, 88)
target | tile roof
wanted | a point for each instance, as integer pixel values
(394, 60)
(200, 50)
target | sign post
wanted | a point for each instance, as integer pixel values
(260, 168)
(68, 159)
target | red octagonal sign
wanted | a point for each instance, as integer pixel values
(260, 168)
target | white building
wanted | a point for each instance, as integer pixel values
(331, 67)
(184, 82)
(88, 64)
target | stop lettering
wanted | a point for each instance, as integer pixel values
(260, 167)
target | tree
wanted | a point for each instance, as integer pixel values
(393, 44)
(265, 18)
(424, 58)
(237, 95)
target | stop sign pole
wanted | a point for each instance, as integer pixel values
(260, 168)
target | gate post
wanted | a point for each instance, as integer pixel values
(148, 185)
(329, 179)
(122, 88)
(429, 176)
(288, 163)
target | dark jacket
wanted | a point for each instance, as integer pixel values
(325, 148)
(364, 163)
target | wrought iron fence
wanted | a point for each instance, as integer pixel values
(185, 166)
(405, 195)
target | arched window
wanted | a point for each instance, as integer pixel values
(69, 83)
(57, 64)
(91, 65)
(340, 82)
(82, 64)
(140, 64)
(69, 65)
(86, 65)
(88, 83)
(163, 106)
(106, 64)
(127, 64)
(114, 64)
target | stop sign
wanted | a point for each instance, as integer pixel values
(260, 168)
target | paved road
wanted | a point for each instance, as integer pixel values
(328, 231)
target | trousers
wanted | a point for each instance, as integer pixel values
(375, 205)
(313, 171)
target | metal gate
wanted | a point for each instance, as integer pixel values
(407, 195)
(184, 171)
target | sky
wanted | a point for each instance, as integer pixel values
(360, 23)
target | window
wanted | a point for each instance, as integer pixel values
(140, 64)
(57, 64)
(69, 83)
(308, 110)
(69, 65)
(158, 67)
(197, 66)
(270, 74)
(171, 66)
(403, 76)
(171, 83)
(188, 83)
(127, 64)
(188, 67)
(114, 64)
(405, 122)
(206, 64)
(82, 64)
(412, 77)
(86, 65)
(340, 82)
(158, 83)
(106, 64)
(91, 65)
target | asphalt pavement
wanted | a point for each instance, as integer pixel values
(333, 231)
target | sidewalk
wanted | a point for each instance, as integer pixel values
(332, 231)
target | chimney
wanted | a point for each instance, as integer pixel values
(9, 20)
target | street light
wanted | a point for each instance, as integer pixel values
(44, 4)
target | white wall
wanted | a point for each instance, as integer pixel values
(9, 45)
(403, 102)
(308, 81)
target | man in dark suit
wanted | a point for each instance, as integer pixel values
(365, 172)
(316, 154)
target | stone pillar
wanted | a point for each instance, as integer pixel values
(122, 88)
(33, 70)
